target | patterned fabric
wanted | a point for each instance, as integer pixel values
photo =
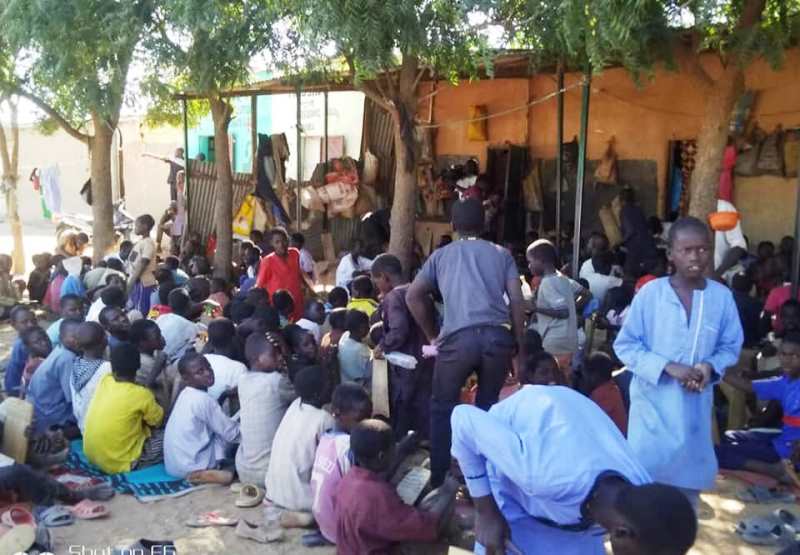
(148, 484)
(83, 371)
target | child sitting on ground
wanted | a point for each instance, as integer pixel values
(220, 292)
(595, 382)
(179, 332)
(284, 303)
(110, 295)
(265, 393)
(338, 322)
(355, 358)
(541, 368)
(337, 298)
(370, 514)
(117, 325)
(39, 277)
(363, 296)
(146, 336)
(289, 475)
(761, 452)
(89, 369)
(198, 434)
(21, 319)
(350, 405)
(71, 308)
(9, 295)
(49, 390)
(39, 348)
(303, 350)
(121, 431)
(313, 319)
(223, 355)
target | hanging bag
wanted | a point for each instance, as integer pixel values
(606, 172)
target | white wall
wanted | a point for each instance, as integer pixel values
(345, 118)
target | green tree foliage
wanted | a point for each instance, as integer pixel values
(78, 54)
(205, 47)
(386, 48)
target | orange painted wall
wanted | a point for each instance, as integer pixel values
(642, 118)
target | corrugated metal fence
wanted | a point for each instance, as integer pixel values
(203, 197)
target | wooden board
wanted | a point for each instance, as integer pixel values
(19, 415)
(380, 387)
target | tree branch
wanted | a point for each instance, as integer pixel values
(51, 112)
(421, 72)
(688, 59)
(376, 97)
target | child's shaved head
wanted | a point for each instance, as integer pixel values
(372, 443)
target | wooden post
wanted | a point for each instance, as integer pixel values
(559, 152)
(576, 237)
(186, 180)
(299, 214)
(796, 253)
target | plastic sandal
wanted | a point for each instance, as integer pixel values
(249, 496)
(212, 518)
(250, 531)
(17, 539)
(55, 516)
(762, 494)
(780, 535)
(98, 492)
(236, 487)
(89, 510)
(17, 515)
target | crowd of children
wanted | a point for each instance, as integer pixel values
(150, 359)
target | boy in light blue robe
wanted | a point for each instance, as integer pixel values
(678, 338)
(549, 467)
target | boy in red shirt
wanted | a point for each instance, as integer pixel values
(596, 383)
(281, 270)
(371, 516)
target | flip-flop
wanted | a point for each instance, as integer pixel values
(17, 539)
(212, 518)
(89, 510)
(780, 534)
(17, 515)
(260, 534)
(787, 517)
(762, 494)
(222, 477)
(249, 496)
(55, 516)
(759, 525)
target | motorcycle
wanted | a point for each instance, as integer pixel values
(81, 223)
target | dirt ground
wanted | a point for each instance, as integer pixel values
(131, 520)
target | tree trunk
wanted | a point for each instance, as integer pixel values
(404, 203)
(10, 179)
(720, 101)
(102, 211)
(221, 113)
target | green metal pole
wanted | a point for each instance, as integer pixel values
(576, 237)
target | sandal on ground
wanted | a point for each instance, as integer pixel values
(778, 535)
(762, 494)
(222, 477)
(17, 539)
(260, 534)
(212, 518)
(249, 496)
(55, 516)
(17, 515)
(98, 492)
(236, 487)
(89, 510)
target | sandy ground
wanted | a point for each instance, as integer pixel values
(131, 520)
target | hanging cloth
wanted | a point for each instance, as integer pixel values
(267, 175)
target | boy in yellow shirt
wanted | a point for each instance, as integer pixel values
(363, 293)
(119, 434)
